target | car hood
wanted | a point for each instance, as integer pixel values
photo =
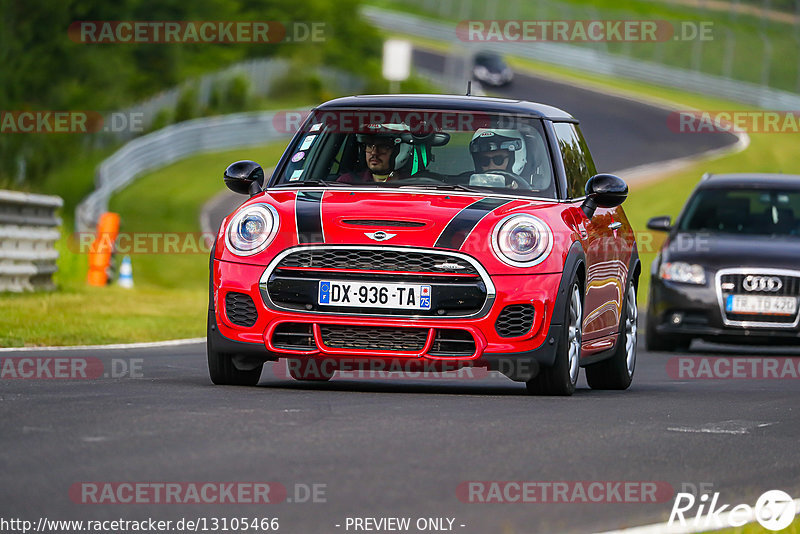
(716, 251)
(400, 218)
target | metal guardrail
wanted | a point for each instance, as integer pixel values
(590, 60)
(28, 232)
(168, 145)
(206, 134)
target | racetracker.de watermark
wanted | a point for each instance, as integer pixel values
(142, 242)
(565, 492)
(389, 369)
(733, 368)
(584, 31)
(734, 121)
(68, 368)
(154, 31)
(70, 122)
(196, 492)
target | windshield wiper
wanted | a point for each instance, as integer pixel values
(311, 183)
(459, 187)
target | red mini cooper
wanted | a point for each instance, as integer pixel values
(427, 233)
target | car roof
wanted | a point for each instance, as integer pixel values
(748, 180)
(454, 102)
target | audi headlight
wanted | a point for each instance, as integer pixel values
(679, 271)
(252, 229)
(522, 240)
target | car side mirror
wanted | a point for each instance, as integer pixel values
(244, 177)
(661, 224)
(604, 191)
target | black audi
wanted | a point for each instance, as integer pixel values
(729, 271)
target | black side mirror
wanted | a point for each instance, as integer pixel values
(604, 191)
(244, 177)
(661, 224)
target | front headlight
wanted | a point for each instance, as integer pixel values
(251, 230)
(522, 240)
(679, 271)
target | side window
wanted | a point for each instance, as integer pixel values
(578, 161)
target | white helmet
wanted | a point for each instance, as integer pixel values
(488, 139)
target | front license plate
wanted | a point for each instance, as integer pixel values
(761, 305)
(374, 295)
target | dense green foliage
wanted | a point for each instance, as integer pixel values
(43, 69)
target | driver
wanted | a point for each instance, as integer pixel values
(498, 150)
(384, 154)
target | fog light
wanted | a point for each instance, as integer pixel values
(676, 319)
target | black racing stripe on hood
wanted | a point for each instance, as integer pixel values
(462, 224)
(308, 212)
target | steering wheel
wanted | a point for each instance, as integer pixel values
(519, 180)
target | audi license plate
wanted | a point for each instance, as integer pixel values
(374, 295)
(761, 305)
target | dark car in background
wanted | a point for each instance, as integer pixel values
(729, 271)
(491, 69)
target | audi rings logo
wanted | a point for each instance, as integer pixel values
(762, 283)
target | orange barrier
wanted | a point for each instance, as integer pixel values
(101, 249)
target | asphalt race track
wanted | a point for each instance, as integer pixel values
(388, 448)
(379, 448)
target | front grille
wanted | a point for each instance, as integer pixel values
(734, 284)
(452, 343)
(240, 309)
(515, 320)
(457, 287)
(371, 338)
(376, 259)
(293, 336)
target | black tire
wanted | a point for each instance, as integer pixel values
(309, 369)
(617, 372)
(655, 342)
(224, 373)
(562, 376)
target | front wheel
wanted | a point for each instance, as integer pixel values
(562, 376)
(224, 372)
(617, 372)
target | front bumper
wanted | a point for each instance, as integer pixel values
(693, 311)
(271, 327)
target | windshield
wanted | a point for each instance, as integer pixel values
(744, 211)
(429, 149)
(492, 62)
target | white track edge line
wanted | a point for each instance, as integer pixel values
(115, 346)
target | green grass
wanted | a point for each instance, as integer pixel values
(755, 528)
(169, 297)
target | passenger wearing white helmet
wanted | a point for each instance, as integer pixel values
(498, 150)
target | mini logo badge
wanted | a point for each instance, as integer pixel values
(449, 266)
(380, 235)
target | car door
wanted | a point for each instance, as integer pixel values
(598, 236)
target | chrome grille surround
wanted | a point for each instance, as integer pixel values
(435, 255)
(791, 288)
